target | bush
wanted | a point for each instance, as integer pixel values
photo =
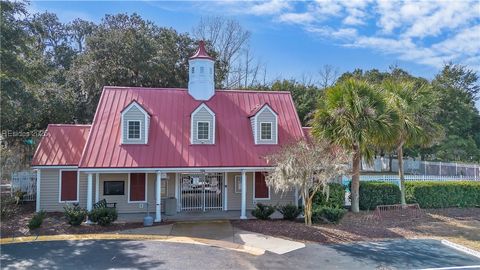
(336, 196)
(289, 211)
(443, 194)
(378, 193)
(36, 220)
(103, 216)
(75, 214)
(263, 211)
(327, 214)
(8, 207)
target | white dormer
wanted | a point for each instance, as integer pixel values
(201, 82)
(135, 124)
(202, 125)
(264, 121)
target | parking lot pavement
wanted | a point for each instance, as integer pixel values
(111, 254)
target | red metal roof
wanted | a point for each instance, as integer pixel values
(169, 135)
(62, 145)
(201, 52)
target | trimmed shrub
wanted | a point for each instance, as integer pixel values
(263, 211)
(336, 196)
(431, 194)
(328, 214)
(36, 220)
(289, 211)
(75, 214)
(374, 193)
(103, 216)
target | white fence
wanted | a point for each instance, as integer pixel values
(419, 167)
(26, 182)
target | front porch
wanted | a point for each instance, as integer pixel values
(198, 194)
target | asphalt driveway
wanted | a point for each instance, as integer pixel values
(103, 254)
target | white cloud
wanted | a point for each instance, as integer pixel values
(269, 7)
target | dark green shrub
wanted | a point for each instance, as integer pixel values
(327, 214)
(336, 196)
(75, 214)
(103, 216)
(432, 194)
(378, 193)
(263, 211)
(36, 220)
(289, 211)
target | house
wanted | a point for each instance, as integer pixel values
(204, 147)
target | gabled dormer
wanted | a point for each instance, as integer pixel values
(202, 126)
(135, 124)
(264, 121)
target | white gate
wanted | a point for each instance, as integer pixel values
(201, 192)
(25, 182)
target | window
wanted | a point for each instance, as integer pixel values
(203, 130)
(114, 188)
(262, 191)
(238, 184)
(137, 187)
(164, 186)
(201, 69)
(193, 70)
(266, 131)
(68, 186)
(133, 129)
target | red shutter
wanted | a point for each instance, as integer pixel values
(137, 187)
(261, 188)
(69, 186)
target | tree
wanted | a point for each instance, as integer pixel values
(415, 109)
(353, 114)
(308, 166)
(328, 76)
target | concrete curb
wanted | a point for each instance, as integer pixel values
(171, 239)
(461, 248)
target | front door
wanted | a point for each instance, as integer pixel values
(201, 192)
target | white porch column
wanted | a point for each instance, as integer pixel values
(225, 192)
(97, 187)
(89, 191)
(158, 197)
(243, 212)
(38, 191)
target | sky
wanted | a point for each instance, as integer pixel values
(296, 38)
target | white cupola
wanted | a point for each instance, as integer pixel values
(201, 83)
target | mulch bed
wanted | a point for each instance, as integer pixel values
(54, 223)
(363, 226)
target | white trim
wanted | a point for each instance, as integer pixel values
(37, 203)
(275, 139)
(97, 187)
(60, 186)
(260, 199)
(89, 193)
(124, 111)
(139, 131)
(128, 190)
(203, 105)
(243, 209)
(235, 184)
(177, 191)
(271, 131)
(54, 167)
(158, 197)
(208, 131)
(225, 191)
(175, 170)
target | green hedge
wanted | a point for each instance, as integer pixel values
(443, 194)
(336, 197)
(374, 193)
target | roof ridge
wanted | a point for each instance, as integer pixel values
(70, 125)
(185, 89)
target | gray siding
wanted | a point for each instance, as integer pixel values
(266, 116)
(234, 200)
(135, 114)
(50, 190)
(202, 115)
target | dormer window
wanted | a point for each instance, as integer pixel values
(202, 125)
(193, 70)
(135, 122)
(266, 130)
(264, 122)
(201, 70)
(133, 130)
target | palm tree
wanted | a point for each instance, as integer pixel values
(414, 106)
(353, 114)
